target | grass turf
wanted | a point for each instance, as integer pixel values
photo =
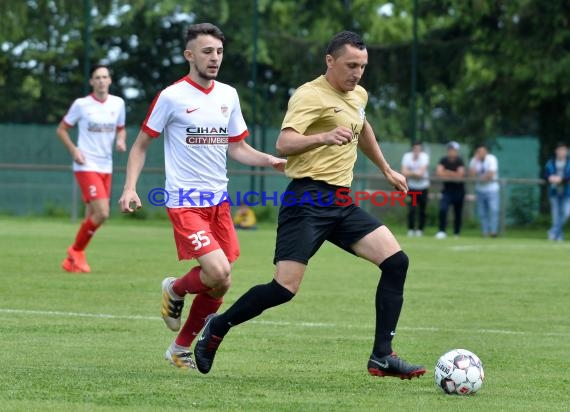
(96, 342)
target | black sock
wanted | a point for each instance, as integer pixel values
(389, 300)
(250, 305)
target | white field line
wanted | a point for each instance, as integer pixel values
(276, 323)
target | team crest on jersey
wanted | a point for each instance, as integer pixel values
(225, 110)
(362, 113)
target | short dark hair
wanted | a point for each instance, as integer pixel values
(480, 145)
(561, 144)
(416, 143)
(97, 67)
(343, 38)
(196, 30)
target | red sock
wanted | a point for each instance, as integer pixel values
(84, 234)
(190, 283)
(202, 306)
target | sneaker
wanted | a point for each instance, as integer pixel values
(171, 308)
(182, 360)
(68, 266)
(411, 233)
(77, 258)
(419, 233)
(206, 347)
(440, 235)
(392, 365)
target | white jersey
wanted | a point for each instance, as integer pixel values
(98, 122)
(414, 165)
(490, 163)
(198, 124)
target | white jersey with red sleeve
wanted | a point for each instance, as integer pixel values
(98, 122)
(197, 124)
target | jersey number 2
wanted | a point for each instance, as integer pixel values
(199, 239)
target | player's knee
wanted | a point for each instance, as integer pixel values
(100, 216)
(218, 274)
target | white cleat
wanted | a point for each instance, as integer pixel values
(171, 307)
(440, 235)
(182, 360)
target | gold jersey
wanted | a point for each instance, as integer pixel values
(317, 107)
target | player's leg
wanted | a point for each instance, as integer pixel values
(206, 235)
(95, 190)
(365, 236)
(301, 231)
(382, 248)
(554, 215)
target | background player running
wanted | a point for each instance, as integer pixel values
(202, 123)
(99, 116)
(324, 125)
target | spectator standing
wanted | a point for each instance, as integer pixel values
(452, 169)
(415, 167)
(557, 174)
(485, 167)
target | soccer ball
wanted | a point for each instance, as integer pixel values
(459, 372)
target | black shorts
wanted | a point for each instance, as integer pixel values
(309, 216)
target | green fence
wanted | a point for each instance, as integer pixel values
(36, 176)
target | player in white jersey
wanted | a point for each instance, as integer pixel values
(201, 122)
(100, 118)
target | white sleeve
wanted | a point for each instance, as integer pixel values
(237, 128)
(73, 114)
(157, 116)
(122, 117)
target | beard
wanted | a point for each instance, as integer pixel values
(205, 75)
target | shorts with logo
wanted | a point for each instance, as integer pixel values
(309, 215)
(94, 185)
(201, 230)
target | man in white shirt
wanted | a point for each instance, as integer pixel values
(201, 122)
(100, 117)
(415, 167)
(485, 167)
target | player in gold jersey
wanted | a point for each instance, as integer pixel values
(324, 126)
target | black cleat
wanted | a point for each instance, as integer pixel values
(392, 365)
(206, 347)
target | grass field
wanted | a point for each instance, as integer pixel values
(96, 342)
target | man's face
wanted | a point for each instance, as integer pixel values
(100, 80)
(346, 69)
(452, 153)
(561, 152)
(417, 149)
(480, 153)
(205, 54)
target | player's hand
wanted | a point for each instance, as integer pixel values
(337, 137)
(397, 180)
(78, 156)
(128, 199)
(121, 146)
(277, 163)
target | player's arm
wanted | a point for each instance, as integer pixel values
(135, 164)
(244, 153)
(121, 140)
(63, 135)
(291, 142)
(369, 146)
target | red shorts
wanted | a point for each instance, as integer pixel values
(94, 185)
(200, 230)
